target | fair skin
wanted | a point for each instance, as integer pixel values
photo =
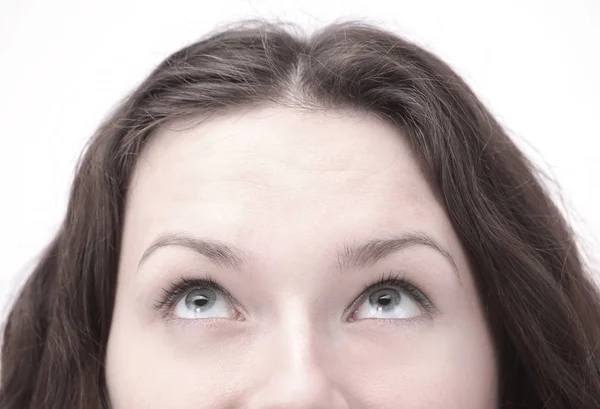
(290, 191)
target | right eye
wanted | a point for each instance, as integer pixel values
(191, 299)
(203, 303)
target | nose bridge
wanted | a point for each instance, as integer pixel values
(297, 370)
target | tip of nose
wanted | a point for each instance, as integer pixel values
(315, 392)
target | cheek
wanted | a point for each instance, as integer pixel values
(152, 365)
(384, 366)
(446, 366)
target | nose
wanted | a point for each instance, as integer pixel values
(295, 375)
(298, 390)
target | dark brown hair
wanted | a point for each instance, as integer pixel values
(540, 299)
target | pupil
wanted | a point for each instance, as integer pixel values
(385, 300)
(200, 302)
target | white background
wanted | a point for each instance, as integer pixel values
(64, 65)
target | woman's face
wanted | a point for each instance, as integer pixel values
(293, 216)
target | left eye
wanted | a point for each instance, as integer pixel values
(203, 303)
(388, 303)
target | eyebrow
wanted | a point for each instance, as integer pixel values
(348, 255)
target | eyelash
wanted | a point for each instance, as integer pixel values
(176, 290)
(173, 293)
(398, 280)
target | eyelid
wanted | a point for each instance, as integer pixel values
(395, 279)
(183, 285)
(173, 294)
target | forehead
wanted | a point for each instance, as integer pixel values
(275, 151)
(280, 170)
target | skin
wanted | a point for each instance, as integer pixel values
(289, 189)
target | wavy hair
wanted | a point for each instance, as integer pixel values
(537, 292)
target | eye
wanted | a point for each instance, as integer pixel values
(391, 298)
(203, 303)
(197, 299)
